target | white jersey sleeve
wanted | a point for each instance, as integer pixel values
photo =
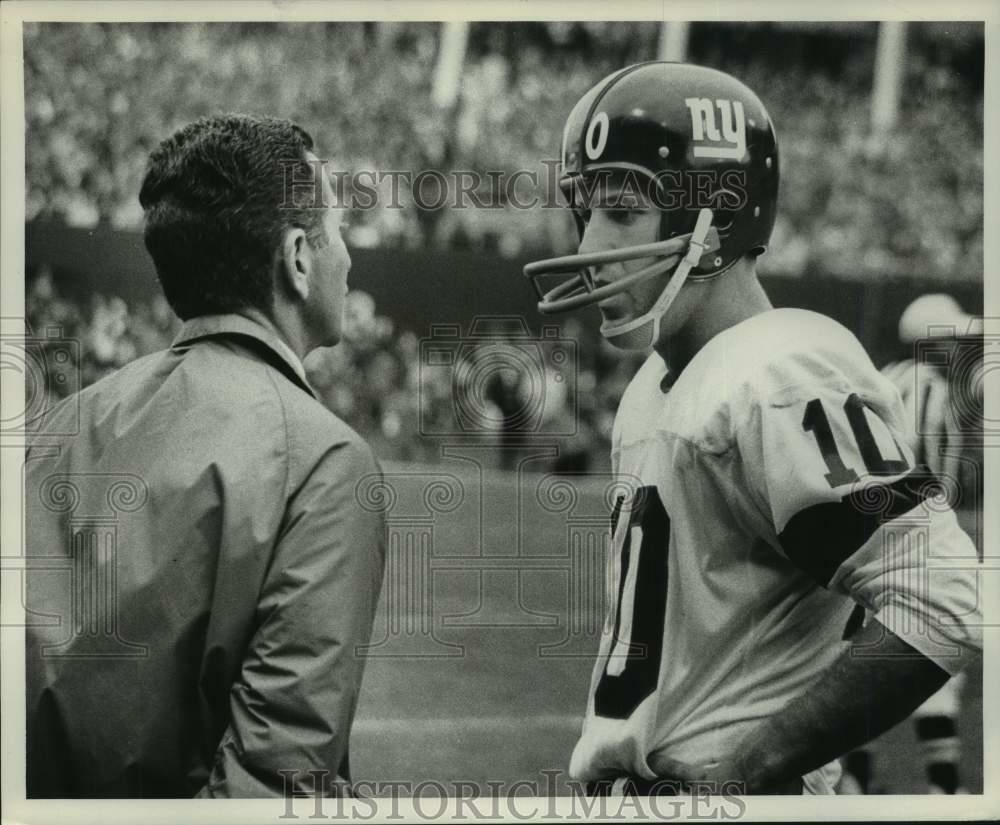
(829, 470)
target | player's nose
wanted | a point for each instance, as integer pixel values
(596, 274)
(593, 240)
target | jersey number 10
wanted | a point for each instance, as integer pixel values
(816, 422)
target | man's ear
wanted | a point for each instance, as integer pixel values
(295, 265)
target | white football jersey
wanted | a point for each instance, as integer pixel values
(768, 485)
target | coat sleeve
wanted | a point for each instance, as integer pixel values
(292, 708)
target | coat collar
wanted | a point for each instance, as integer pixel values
(211, 326)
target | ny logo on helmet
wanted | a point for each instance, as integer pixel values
(731, 142)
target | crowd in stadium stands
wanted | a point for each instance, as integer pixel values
(853, 203)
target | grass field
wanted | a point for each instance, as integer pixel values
(487, 629)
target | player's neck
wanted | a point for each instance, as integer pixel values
(733, 298)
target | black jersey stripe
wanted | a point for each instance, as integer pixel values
(820, 538)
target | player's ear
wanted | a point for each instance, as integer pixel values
(294, 263)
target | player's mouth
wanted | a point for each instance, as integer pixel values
(613, 309)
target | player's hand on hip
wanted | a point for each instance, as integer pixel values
(685, 773)
(717, 777)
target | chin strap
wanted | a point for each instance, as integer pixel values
(632, 334)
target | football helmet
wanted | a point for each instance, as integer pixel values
(702, 146)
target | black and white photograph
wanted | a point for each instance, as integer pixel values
(414, 414)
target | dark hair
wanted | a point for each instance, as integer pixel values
(216, 208)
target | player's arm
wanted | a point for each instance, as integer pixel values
(848, 508)
(878, 682)
(292, 707)
(874, 685)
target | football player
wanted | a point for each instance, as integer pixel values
(772, 499)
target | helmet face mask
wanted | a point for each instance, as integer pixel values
(695, 141)
(579, 290)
